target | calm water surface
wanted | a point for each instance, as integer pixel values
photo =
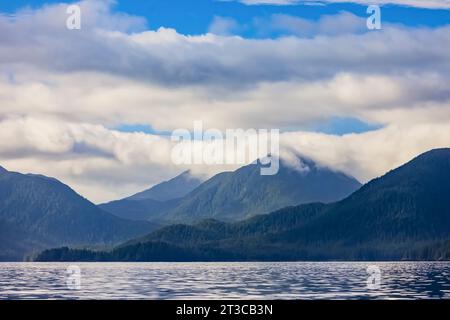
(297, 280)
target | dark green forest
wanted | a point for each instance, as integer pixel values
(404, 215)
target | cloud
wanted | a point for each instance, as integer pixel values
(62, 92)
(115, 164)
(167, 58)
(85, 155)
(223, 26)
(370, 154)
(343, 23)
(112, 101)
(429, 4)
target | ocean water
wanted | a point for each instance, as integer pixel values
(277, 280)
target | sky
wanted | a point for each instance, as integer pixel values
(95, 107)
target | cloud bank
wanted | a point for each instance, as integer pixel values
(62, 93)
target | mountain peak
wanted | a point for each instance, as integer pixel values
(36, 210)
(174, 188)
(185, 173)
(403, 215)
(245, 192)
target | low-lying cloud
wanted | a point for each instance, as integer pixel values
(62, 91)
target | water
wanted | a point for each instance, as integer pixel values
(295, 280)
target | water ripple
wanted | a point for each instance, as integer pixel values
(296, 280)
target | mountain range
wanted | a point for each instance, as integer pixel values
(403, 215)
(231, 196)
(174, 188)
(153, 203)
(38, 212)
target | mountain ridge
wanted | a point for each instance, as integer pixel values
(403, 215)
(239, 194)
(47, 212)
(243, 193)
(171, 189)
(152, 203)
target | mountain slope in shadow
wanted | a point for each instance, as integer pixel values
(38, 212)
(403, 215)
(231, 196)
(153, 203)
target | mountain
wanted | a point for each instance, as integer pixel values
(236, 195)
(174, 188)
(404, 215)
(245, 192)
(37, 212)
(148, 209)
(151, 204)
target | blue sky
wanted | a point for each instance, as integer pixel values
(195, 17)
(335, 125)
(73, 101)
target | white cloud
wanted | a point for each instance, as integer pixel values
(370, 154)
(223, 26)
(168, 58)
(105, 164)
(327, 25)
(62, 91)
(429, 4)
